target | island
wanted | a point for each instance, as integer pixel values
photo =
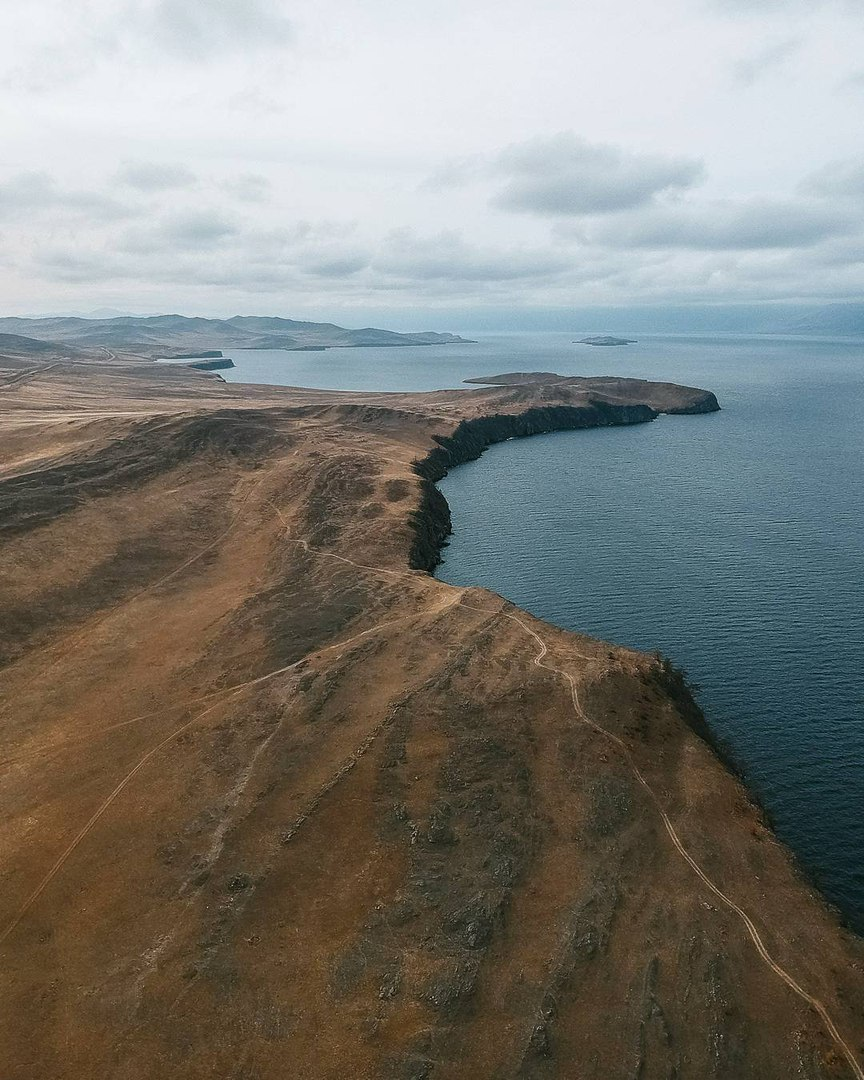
(277, 802)
(604, 341)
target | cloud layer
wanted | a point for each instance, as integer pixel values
(567, 175)
(259, 154)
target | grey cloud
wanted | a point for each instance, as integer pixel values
(38, 192)
(78, 37)
(457, 172)
(726, 225)
(335, 265)
(852, 83)
(195, 28)
(756, 8)
(78, 266)
(567, 175)
(183, 230)
(199, 227)
(26, 191)
(151, 176)
(249, 188)
(766, 60)
(839, 180)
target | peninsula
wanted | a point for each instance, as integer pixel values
(278, 803)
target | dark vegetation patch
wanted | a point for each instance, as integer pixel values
(333, 495)
(152, 448)
(295, 616)
(137, 563)
(610, 805)
(586, 937)
(468, 842)
(397, 490)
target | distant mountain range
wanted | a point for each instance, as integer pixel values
(167, 334)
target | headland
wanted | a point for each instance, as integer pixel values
(277, 802)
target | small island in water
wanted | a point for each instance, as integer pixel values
(604, 340)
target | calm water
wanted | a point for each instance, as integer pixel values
(734, 543)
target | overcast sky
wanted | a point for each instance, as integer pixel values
(324, 157)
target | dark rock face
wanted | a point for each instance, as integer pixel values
(212, 365)
(707, 403)
(469, 440)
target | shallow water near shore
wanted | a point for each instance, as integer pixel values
(734, 543)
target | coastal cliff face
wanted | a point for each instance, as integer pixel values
(276, 804)
(472, 437)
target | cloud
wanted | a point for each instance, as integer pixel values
(334, 264)
(207, 28)
(838, 180)
(75, 39)
(726, 225)
(566, 175)
(765, 61)
(37, 192)
(250, 188)
(180, 231)
(150, 176)
(757, 8)
(852, 83)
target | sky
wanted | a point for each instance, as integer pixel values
(323, 158)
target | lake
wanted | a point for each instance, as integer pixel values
(734, 542)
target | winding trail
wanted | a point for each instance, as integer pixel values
(29, 373)
(65, 646)
(814, 1002)
(225, 695)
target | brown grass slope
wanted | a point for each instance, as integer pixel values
(274, 804)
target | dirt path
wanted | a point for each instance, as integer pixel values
(225, 696)
(29, 373)
(817, 1005)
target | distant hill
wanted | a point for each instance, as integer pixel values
(21, 347)
(148, 334)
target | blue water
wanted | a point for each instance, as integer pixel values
(734, 543)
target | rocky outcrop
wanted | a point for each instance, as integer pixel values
(212, 365)
(604, 341)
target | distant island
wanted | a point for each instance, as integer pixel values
(604, 341)
(179, 336)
